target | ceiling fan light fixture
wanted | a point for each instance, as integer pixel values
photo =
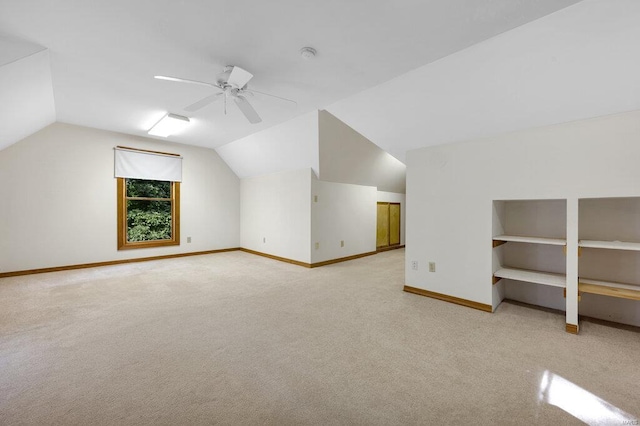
(168, 125)
(308, 53)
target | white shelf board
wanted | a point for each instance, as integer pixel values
(531, 240)
(613, 245)
(545, 278)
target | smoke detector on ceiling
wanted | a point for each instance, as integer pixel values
(308, 53)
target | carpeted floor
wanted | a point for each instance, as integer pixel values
(234, 338)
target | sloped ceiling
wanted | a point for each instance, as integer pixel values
(26, 93)
(577, 63)
(348, 157)
(292, 145)
(12, 49)
(319, 141)
(104, 54)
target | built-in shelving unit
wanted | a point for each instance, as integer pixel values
(589, 248)
(528, 256)
(609, 231)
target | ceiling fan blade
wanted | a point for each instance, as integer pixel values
(273, 96)
(203, 102)
(247, 110)
(239, 77)
(184, 80)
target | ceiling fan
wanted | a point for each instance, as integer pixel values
(232, 83)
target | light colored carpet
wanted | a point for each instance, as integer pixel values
(234, 338)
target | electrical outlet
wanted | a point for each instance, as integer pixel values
(414, 265)
(188, 239)
(342, 243)
(317, 246)
(432, 266)
(264, 239)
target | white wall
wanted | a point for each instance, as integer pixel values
(342, 212)
(348, 157)
(292, 145)
(394, 197)
(451, 188)
(58, 199)
(276, 214)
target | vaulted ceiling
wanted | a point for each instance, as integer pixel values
(26, 92)
(103, 56)
(577, 63)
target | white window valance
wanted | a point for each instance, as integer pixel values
(140, 164)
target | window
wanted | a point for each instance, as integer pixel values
(148, 185)
(148, 213)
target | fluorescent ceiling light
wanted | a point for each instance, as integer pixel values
(170, 124)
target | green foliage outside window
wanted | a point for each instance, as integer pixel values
(148, 220)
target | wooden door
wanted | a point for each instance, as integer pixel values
(382, 234)
(394, 224)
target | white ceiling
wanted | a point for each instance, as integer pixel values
(577, 63)
(12, 49)
(292, 145)
(26, 97)
(104, 54)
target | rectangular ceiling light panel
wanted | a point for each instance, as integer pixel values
(170, 124)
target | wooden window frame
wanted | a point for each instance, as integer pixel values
(123, 244)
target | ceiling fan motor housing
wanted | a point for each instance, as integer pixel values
(234, 76)
(223, 77)
(231, 92)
